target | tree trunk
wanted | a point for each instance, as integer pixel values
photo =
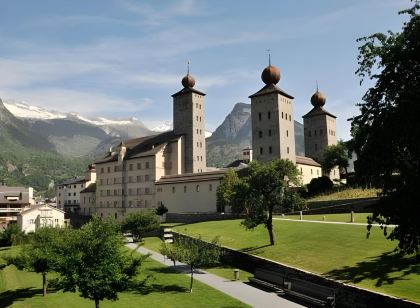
(96, 303)
(44, 283)
(191, 278)
(270, 226)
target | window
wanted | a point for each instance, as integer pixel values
(309, 133)
(210, 187)
(197, 188)
(130, 167)
(198, 158)
(270, 150)
(290, 117)
(109, 169)
(173, 189)
(269, 132)
(259, 116)
(301, 171)
(288, 150)
(146, 178)
(320, 131)
(269, 115)
(287, 133)
(147, 165)
(185, 189)
(260, 134)
(115, 203)
(316, 147)
(102, 170)
(74, 186)
(139, 166)
(59, 194)
(102, 215)
(69, 194)
(116, 215)
(315, 132)
(261, 150)
(282, 114)
(311, 170)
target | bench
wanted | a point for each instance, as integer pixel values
(309, 292)
(268, 279)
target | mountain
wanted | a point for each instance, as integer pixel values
(73, 135)
(167, 126)
(226, 143)
(29, 159)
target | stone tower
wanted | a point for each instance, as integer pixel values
(273, 130)
(189, 121)
(319, 128)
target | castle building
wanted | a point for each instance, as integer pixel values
(273, 134)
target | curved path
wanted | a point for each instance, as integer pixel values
(237, 289)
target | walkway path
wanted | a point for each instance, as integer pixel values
(333, 222)
(237, 289)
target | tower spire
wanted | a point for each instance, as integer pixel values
(188, 67)
(316, 81)
(269, 57)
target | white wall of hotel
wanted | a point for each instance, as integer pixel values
(189, 193)
(39, 216)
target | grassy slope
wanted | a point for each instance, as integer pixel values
(339, 251)
(346, 193)
(165, 289)
(154, 243)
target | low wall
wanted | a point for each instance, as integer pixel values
(364, 205)
(346, 295)
(198, 217)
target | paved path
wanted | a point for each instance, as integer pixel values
(333, 222)
(239, 290)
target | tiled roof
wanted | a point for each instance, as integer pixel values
(187, 90)
(192, 177)
(90, 189)
(77, 180)
(271, 88)
(317, 111)
(303, 160)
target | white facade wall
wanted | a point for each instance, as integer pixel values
(40, 216)
(308, 172)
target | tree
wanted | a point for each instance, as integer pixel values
(267, 184)
(161, 210)
(9, 234)
(335, 156)
(387, 132)
(226, 190)
(41, 254)
(139, 223)
(194, 252)
(95, 263)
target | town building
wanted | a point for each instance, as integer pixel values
(13, 200)
(68, 192)
(39, 216)
(88, 200)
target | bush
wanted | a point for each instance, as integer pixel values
(139, 223)
(8, 236)
(161, 210)
(292, 202)
(320, 185)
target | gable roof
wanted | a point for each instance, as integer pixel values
(140, 147)
(303, 160)
(76, 180)
(316, 111)
(90, 189)
(271, 88)
(187, 90)
(36, 207)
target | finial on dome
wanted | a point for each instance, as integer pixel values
(271, 74)
(318, 98)
(188, 81)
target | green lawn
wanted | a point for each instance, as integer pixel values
(165, 289)
(225, 271)
(347, 193)
(341, 252)
(358, 217)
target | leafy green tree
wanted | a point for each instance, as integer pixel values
(387, 132)
(41, 254)
(11, 232)
(161, 210)
(195, 253)
(267, 184)
(139, 223)
(95, 263)
(226, 190)
(335, 156)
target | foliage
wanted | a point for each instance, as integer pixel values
(319, 185)
(161, 210)
(41, 254)
(263, 190)
(292, 202)
(387, 132)
(335, 156)
(225, 190)
(95, 263)
(194, 252)
(139, 223)
(8, 236)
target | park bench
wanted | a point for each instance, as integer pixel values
(309, 292)
(268, 279)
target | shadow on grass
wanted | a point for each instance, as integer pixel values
(253, 248)
(158, 288)
(384, 269)
(7, 298)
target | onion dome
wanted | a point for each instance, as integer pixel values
(188, 81)
(270, 75)
(318, 99)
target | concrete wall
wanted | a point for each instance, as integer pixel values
(273, 132)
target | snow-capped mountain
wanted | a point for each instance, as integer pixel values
(166, 126)
(24, 110)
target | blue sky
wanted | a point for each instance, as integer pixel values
(124, 58)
